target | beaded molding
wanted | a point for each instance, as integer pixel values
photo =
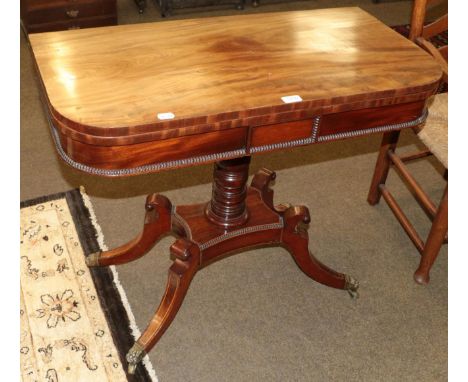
(297, 142)
(313, 137)
(227, 236)
(315, 127)
(227, 154)
(240, 232)
(146, 168)
(379, 129)
(141, 169)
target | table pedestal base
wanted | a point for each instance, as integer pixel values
(237, 218)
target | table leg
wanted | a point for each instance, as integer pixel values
(157, 224)
(186, 264)
(237, 218)
(296, 240)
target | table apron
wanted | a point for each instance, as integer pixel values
(184, 151)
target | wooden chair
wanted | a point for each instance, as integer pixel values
(433, 134)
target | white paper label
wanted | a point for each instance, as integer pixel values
(163, 116)
(291, 99)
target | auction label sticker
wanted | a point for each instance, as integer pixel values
(164, 116)
(291, 99)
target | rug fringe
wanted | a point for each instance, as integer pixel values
(100, 239)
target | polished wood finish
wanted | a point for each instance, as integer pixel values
(113, 82)
(186, 264)
(227, 207)
(430, 247)
(369, 117)
(138, 154)
(56, 15)
(104, 88)
(203, 239)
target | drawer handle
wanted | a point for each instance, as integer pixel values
(73, 13)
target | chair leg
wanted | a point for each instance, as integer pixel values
(434, 241)
(389, 142)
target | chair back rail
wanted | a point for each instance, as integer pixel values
(421, 33)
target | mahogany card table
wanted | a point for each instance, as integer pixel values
(134, 99)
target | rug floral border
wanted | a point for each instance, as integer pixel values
(109, 297)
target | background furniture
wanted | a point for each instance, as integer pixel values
(141, 5)
(168, 6)
(55, 15)
(435, 136)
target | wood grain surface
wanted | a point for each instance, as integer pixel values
(218, 72)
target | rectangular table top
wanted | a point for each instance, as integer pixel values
(120, 80)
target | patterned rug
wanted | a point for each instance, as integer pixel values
(76, 323)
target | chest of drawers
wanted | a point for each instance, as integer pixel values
(54, 15)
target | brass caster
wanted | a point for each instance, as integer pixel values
(134, 356)
(131, 368)
(352, 286)
(92, 260)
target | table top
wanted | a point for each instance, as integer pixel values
(108, 81)
(141, 98)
